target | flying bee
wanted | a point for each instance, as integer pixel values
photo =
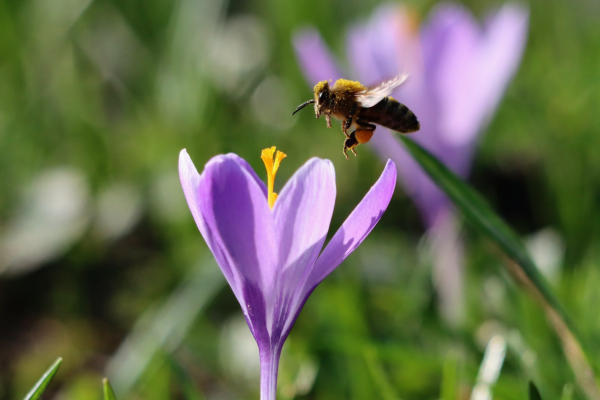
(358, 106)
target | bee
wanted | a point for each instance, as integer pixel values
(361, 107)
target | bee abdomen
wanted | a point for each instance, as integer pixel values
(393, 115)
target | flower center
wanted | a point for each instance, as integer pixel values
(272, 162)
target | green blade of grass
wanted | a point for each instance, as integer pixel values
(380, 378)
(477, 211)
(449, 377)
(109, 394)
(187, 385)
(36, 392)
(534, 393)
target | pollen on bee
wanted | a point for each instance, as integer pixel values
(272, 161)
(345, 85)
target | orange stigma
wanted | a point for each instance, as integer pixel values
(272, 162)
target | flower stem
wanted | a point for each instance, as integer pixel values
(269, 365)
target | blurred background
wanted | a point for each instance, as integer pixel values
(101, 262)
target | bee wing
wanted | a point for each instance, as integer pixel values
(371, 96)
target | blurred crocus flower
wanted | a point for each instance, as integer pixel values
(267, 245)
(459, 71)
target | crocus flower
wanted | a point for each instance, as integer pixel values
(458, 69)
(269, 246)
(458, 73)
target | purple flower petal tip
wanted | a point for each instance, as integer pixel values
(317, 62)
(356, 227)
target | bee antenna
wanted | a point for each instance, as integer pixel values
(301, 106)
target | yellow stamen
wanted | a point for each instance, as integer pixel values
(272, 165)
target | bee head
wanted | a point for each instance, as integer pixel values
(321, 100)
(321, 97)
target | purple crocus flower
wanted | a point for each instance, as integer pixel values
(458, 73)
(458, 69)
(269, 246)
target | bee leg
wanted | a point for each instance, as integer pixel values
(346, 124)
(328, 118)
(344, 129)
(350, 143)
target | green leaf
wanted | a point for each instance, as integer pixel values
(380, 378)
(449, 377)
(534, 393)
(109, 394)
(36, 392)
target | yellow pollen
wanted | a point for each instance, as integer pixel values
(272, 165)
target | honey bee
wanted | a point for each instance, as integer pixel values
(359, 106)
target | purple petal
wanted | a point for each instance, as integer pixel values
(452, 70)
(470, 67)
(505, 39)
(239, 228)
(356, 227)
(302, 215)
(244, 164)
(357, 46)
(383, 35)
(190, 182)
(373, 47)
(437, 32)
(314, 57)
(236, 211)
(430, 200)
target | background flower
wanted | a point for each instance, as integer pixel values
(459, 70)
(458, 73)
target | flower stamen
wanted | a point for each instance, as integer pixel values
(272, 161)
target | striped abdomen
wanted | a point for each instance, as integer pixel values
(391, 114)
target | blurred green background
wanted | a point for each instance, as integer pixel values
(101, 262)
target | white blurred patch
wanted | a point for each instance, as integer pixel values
(514, 341)
(166, 197)
(118, 210)
(239, 352)
(296, 375)
(271, 104)
(239, 51)
(447, 251)
(490, 367)
(53, 215)
(547, 248)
